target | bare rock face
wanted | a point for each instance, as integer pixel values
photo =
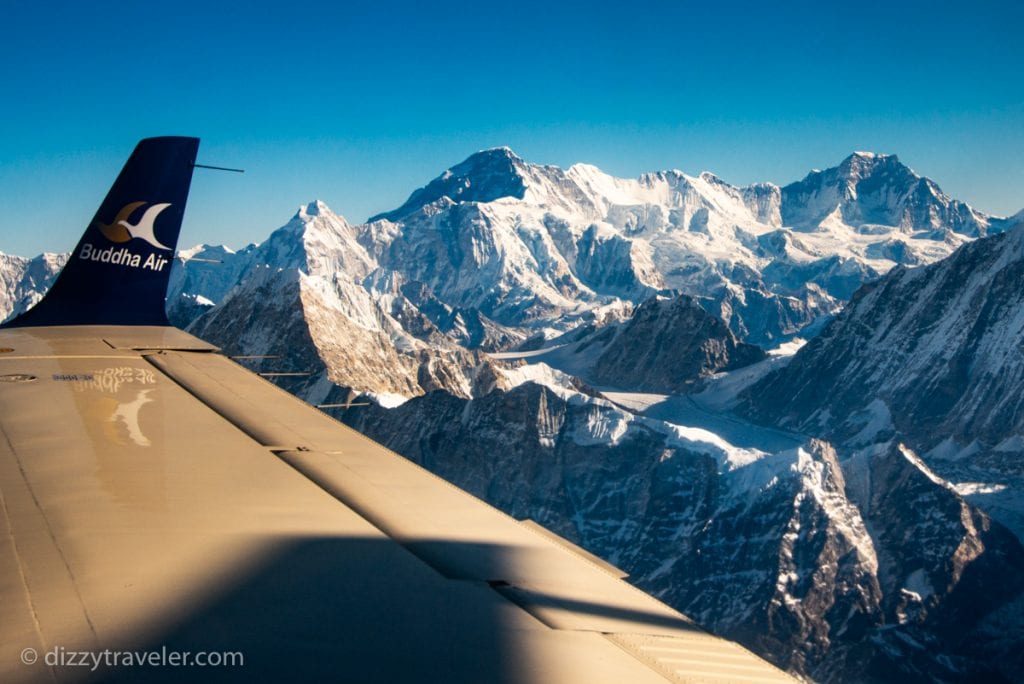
(938, 556)
(667, 345)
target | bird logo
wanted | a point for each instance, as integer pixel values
(120, 230)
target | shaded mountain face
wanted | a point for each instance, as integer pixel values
(667, 345)
(931, 353)
(802, 557)
(931, 356)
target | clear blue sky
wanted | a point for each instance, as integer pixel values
(359, 104)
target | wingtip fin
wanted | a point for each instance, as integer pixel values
(119, 271)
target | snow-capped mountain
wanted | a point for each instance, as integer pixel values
(537, 246)
(496, 249)
(24, 281)
(311, 300)
(875, 192)
(201, 276)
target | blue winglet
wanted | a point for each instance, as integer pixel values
(119, 271)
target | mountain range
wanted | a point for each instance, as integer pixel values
(621, 360)
(497, 252)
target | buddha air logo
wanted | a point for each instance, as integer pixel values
(122, 230)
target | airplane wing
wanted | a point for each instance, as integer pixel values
(168, 515)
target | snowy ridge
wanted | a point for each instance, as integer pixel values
(352, 323)
(537, 247)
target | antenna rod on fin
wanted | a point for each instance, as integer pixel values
(205, 261)
(218, 168)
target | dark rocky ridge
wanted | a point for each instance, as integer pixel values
(485, 176)
(667, 345)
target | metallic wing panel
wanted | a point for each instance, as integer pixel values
(140, 515)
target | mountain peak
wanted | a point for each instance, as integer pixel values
(484, 176)
(861, 164)
(869, 155)
(312, 220)
(315, 208)
(500, 152)
(711, 178)
(871, 188)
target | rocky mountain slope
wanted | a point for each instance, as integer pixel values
(667, 344)
(306, 300)
(931, 356)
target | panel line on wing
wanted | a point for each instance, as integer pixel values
(16, 482)
(698, 657)
(258, 425)
(14, 619)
